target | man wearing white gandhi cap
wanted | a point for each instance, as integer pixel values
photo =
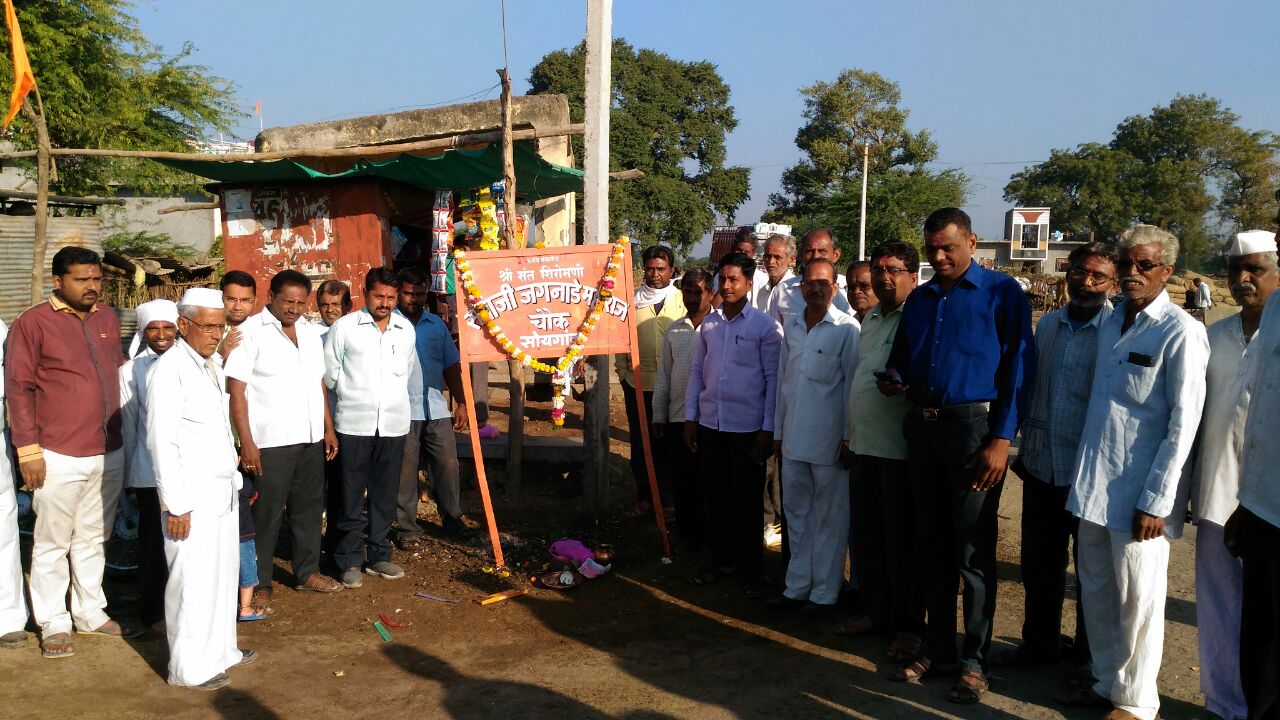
(157, 331)
(194, 456)
(1252, 275)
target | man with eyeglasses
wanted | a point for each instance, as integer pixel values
(275, 379)
(1067, 345)
(859, 289)
(788, 299)
(819, 353)
(1128, 489)
(964, 354)
(1253, 276)
(882, 534)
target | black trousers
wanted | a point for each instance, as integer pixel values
(638, 470)
(1048, 531)
(685, 474)
(332, 504)
(292, 477)
(370, 464)
(957, 526)
(734, 499)
(1260, 617)
(153, 569)
(886, 546)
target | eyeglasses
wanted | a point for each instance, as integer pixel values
(1094, 278)
(206, 328)
(890, 271)
(1144, 266)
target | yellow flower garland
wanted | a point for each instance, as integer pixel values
(562, 371)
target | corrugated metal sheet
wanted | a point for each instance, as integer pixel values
(128, 326)
(17, 235)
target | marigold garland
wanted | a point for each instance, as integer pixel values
(562, 372)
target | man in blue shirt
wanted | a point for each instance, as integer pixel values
(963, 354)
(440, 370)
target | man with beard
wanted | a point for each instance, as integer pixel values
(333, 300)
(1067, 344)
(63, 388)
(371, 363)
(1253, 276)
(1128, 489)
(157, 330)
(239, 296)
(861, 295)
(189, 440)
(657, 305)
(281, 418)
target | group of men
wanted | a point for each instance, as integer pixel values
(892, 414)
(220, 423)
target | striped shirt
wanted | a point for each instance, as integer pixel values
(674, 363)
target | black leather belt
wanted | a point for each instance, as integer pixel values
(967, 411)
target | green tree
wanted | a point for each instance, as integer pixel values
(1188, 167)
(105, 85)
(669, 119)
(825, 187)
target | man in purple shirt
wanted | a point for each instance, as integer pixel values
(729, 422)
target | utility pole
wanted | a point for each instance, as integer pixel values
(44, 168)
(515, 368)
(862, 215)
(599, 92)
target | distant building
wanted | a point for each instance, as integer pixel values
(1028, 245)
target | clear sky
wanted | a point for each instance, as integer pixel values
(997, 83)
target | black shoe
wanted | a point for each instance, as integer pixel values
(459, 532)
(782, 603)
(813, 610)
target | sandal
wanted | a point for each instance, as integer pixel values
(261, 602)
(111, 628)
(969, 688)
(254, 614)
(57, 645)
(904, 647)
(913, 671)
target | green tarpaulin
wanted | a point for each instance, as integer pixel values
(454, 170)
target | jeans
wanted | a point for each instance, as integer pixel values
(957, 525)
(293, 478)
(370, 464)
(248, 563)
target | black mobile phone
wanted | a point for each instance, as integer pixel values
(888, 377)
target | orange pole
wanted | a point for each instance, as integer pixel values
(468, 396)
(638, 384)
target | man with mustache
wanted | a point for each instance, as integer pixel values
(280, 415)
(1253, 276)
(64, 407)
(1067, 344)
(1128, 489)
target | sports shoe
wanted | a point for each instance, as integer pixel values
(217, 681)
(385, 569)
(247, 655)
(351, 578)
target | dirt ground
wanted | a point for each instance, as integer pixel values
(640, 643)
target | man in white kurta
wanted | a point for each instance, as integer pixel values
(1129, 490)
(194, 455)
(13, 604)
(157, 332)
(818, 359)
(1253, 275)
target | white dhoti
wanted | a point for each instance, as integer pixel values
(74, 513)
(1219, 597)
(815, 499)
(200, 603)
(13, 604)
(1123, 586)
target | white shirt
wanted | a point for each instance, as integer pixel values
(285, 392)
(815, 368)
(1259, 488)
(1148, 393)
(371, 373)
(1204, 297)
(674, 364)
(762, 292)
(787, 299)
(1216, 480)
(134, 374)
(189, 435)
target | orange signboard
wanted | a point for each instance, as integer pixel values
(539, 298)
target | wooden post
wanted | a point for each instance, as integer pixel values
(43, 162)
(599, 84)
(515, 368)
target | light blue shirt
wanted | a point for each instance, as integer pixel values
(1259, 486)
(436, 352)
(814, 370)
(1148, 394)
(1064, 378)
(370, 370)
(734, 378)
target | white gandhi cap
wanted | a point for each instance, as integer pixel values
(202, 298)
(1253, 241)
